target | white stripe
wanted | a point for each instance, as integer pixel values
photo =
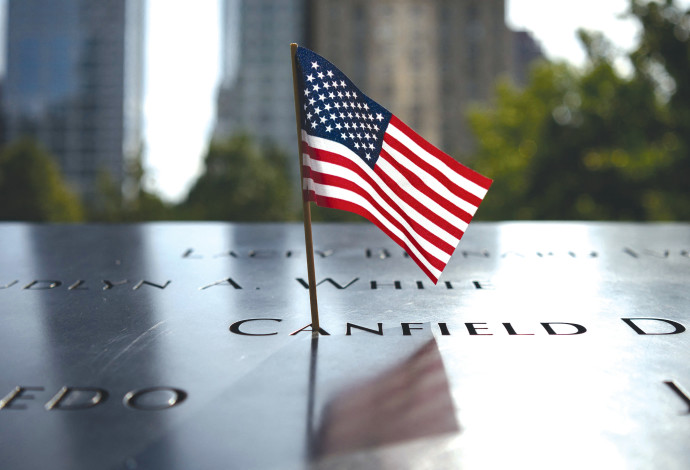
(350, 196)
(411, 212)
(454, 176)
(337, 170)
(430, 181)
(432, 205)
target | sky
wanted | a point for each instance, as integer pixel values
(182, 71)
(554, 23)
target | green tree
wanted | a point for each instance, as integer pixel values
(242, 181)
(663, 58)
(590, 143)
(133, 204)
(32, 188)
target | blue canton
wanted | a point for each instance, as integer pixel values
(334, 109)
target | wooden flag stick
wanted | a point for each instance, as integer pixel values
(306, 209)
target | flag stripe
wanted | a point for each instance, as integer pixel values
(337, 185)
(458, 173)
(436, 154)
(383, 165)
(429, 186)
(333, 203)
(405, 205)
(454, 232)
(336, 170)
(370, 212)
(436, 256)
(412, 160)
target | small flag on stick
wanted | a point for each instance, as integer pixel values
(358, 156)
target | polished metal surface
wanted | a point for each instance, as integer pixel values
(187, 345)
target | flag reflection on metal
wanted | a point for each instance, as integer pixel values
(409, 401)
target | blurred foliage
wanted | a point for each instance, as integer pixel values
(594, 143)
(133, 204)
(242, 181)
(32, 188)
(245, 180)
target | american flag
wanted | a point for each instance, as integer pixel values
(357, 156)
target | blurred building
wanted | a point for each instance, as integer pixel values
(256, 94)
(74, 81)
(525, 52)
(425, 61)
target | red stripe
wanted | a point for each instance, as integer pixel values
(471, 175)
(423, 232)
(334, 203)
(420, 186)
(418, 206)
(336, 181)
(330, 180)
(435, 172)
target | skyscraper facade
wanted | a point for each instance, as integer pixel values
(427, 61)
(74, 82)
(256, 94)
